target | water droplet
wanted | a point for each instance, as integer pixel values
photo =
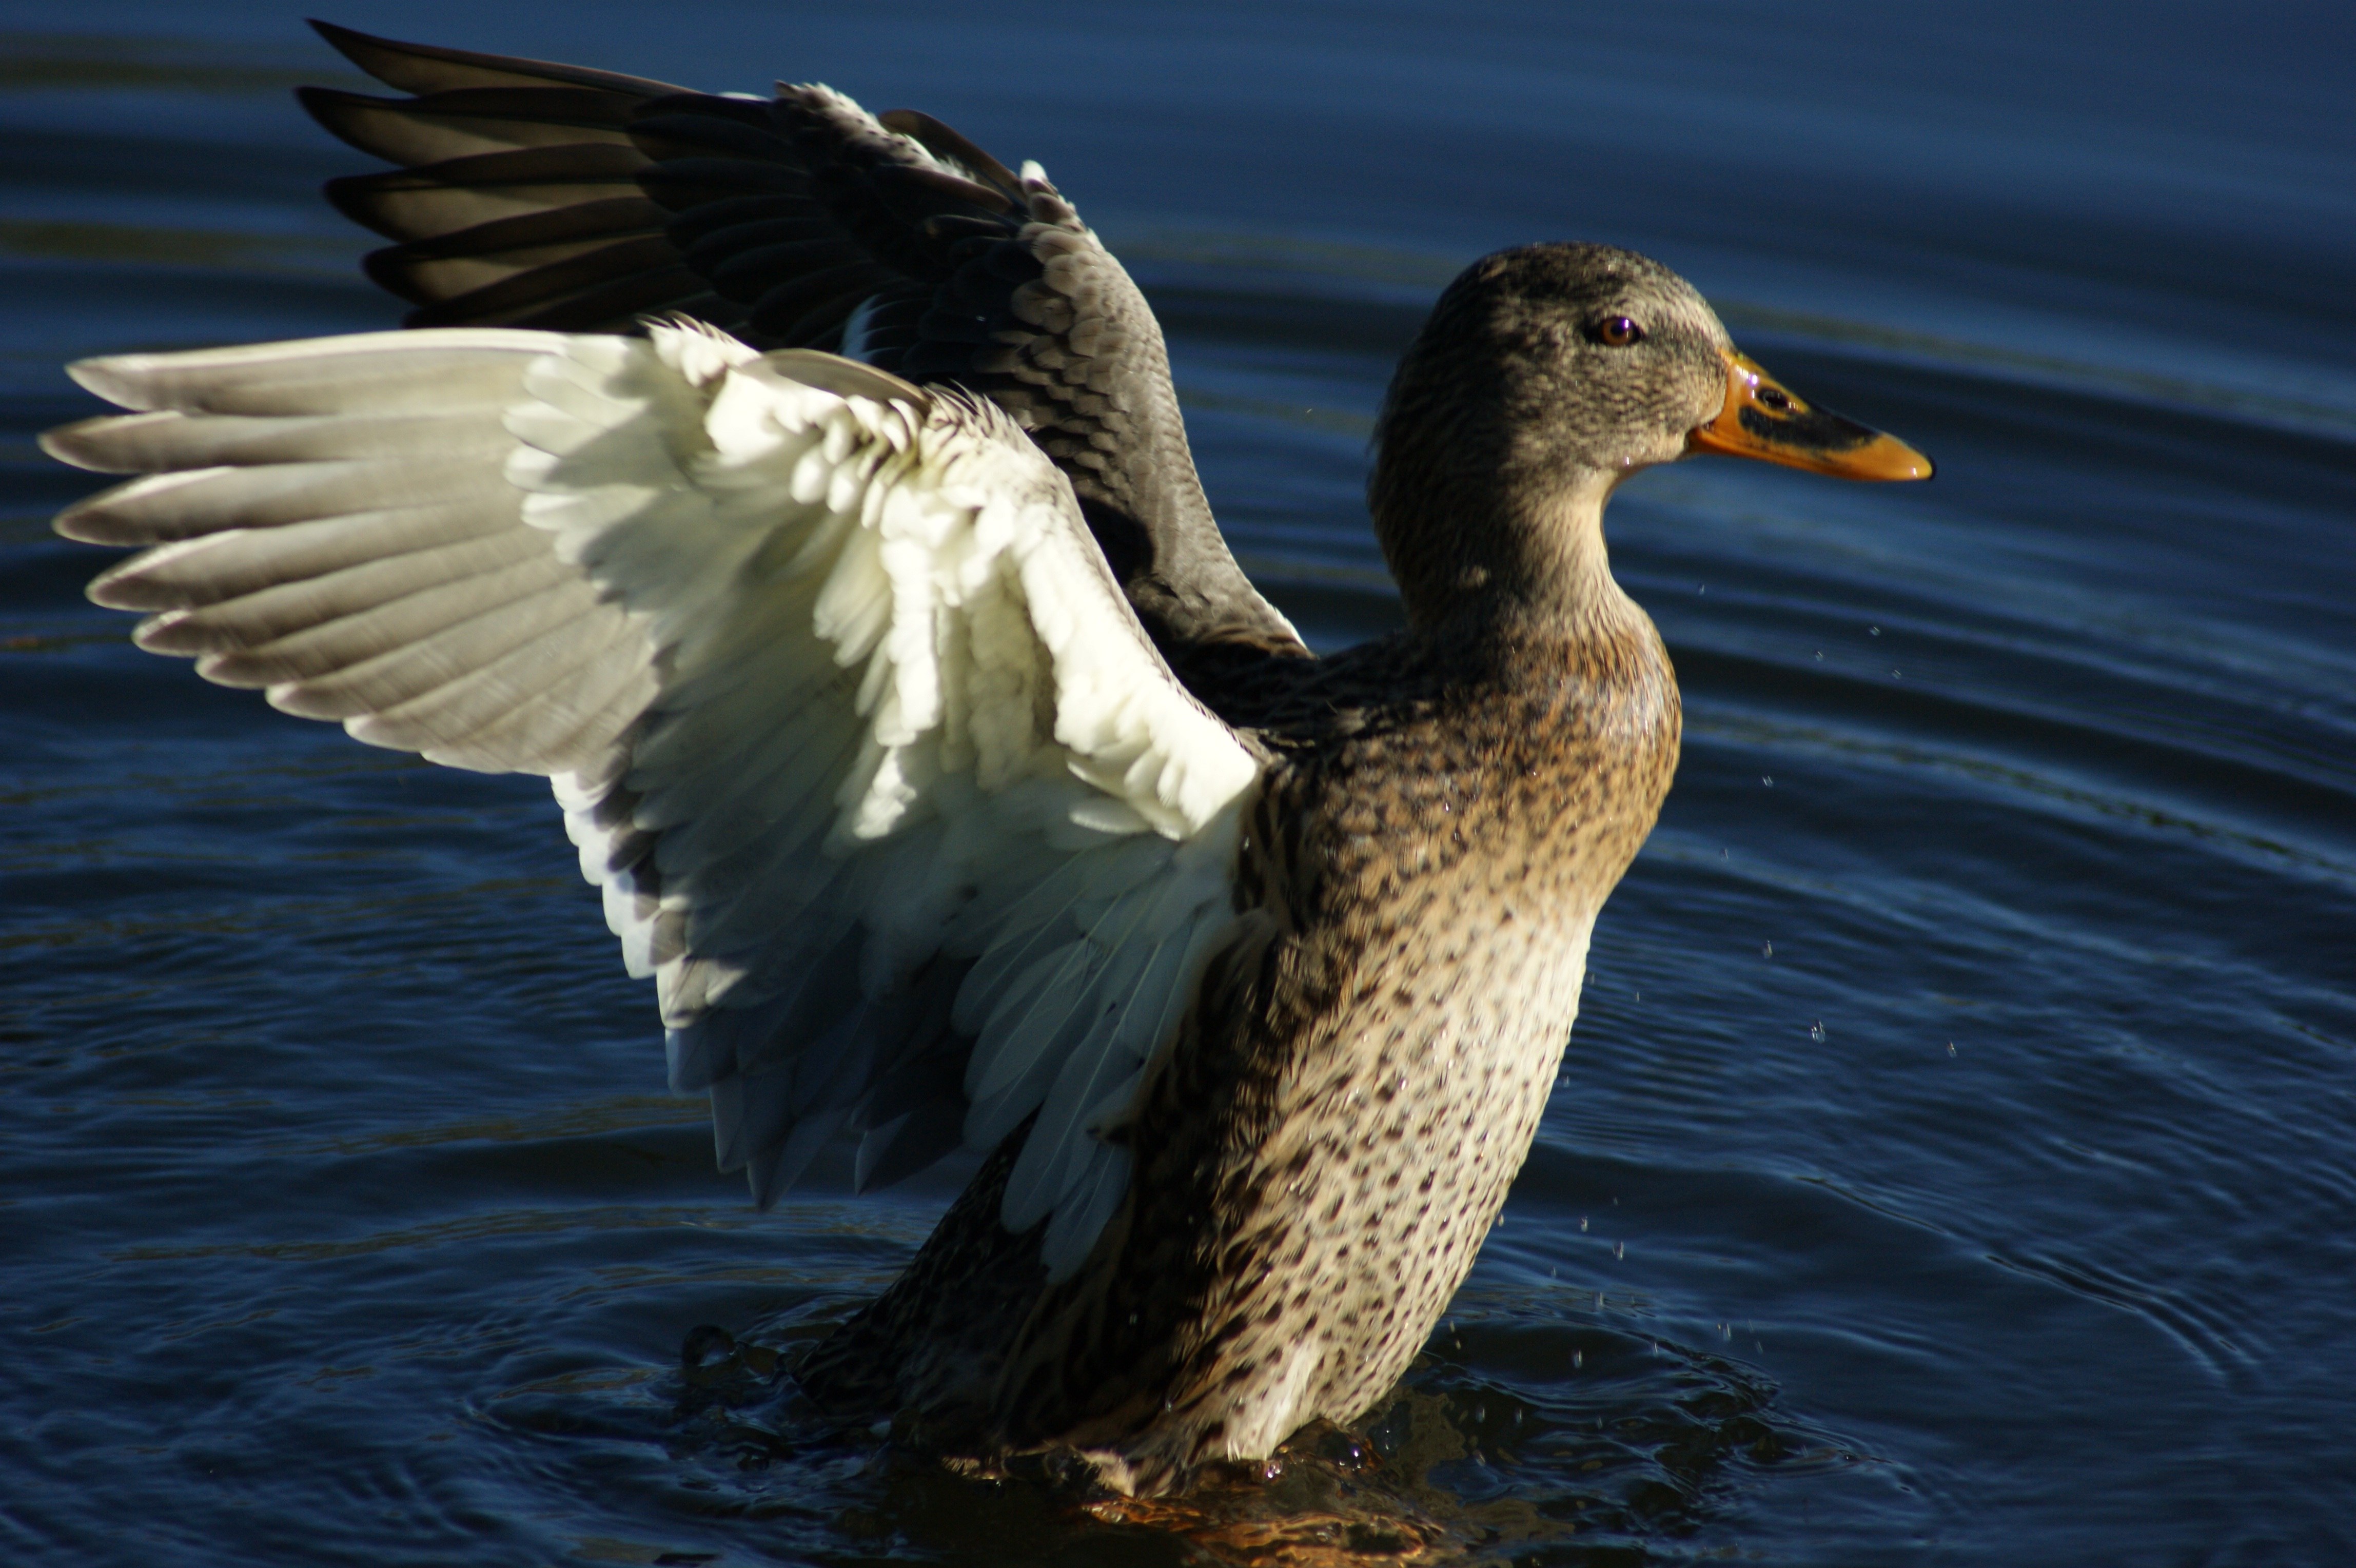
(1701, 588)
(1766, 949)
(1578, 1360)
(1873, 631)
(1820, 656)
(1769, 782)
(1618, 1248)
(1893, 674)
(1816, 1031)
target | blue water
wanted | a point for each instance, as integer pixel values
(1956, 1158)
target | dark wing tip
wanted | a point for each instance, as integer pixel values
(429, 68)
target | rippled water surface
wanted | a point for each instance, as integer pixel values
(1953, 1162)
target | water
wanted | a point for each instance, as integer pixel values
(1952, 1160)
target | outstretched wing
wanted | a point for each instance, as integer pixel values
(885, 784)
(550, 196)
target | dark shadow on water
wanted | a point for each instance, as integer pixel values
(1638, 1448)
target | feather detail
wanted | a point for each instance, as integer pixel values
(876, 770)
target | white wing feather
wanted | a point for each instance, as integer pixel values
(846, 713)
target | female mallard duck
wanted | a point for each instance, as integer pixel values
(933, 753)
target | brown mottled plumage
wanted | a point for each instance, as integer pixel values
(1334, 1131)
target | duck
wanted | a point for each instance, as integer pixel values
(803, 493)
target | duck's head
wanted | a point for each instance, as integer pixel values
(1547, 374)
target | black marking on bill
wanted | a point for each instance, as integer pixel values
(1815, 431)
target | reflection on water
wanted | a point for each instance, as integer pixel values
(1951, 1162)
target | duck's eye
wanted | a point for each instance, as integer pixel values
(1618, 332)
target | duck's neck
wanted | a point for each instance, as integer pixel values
(1491, 550)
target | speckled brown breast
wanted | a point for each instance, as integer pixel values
(1337, 1129)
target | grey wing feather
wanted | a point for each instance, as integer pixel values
(365, 566)
(553, 196)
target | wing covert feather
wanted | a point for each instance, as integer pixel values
(883, 780)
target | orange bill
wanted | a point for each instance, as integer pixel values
(1764, 420)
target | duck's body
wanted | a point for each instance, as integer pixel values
(1356, 1085)
(934, 754)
